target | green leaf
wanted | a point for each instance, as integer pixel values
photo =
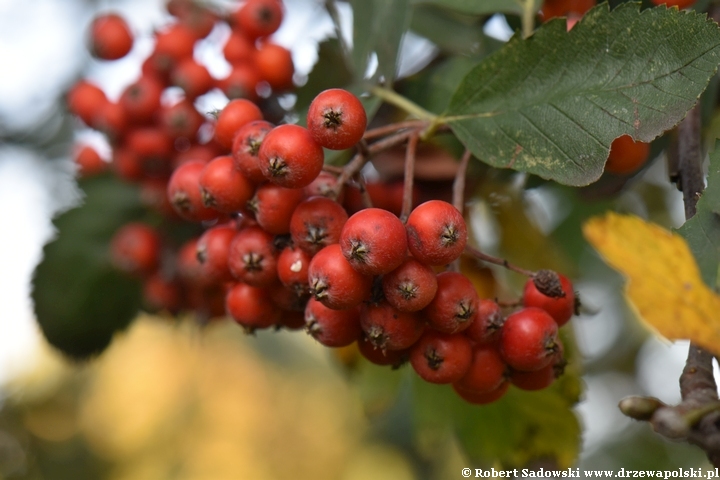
(451, 34)
(378, 26)
(330, 71)
(702, 232)
(433, 88)
(80, 299)
(480, 7)
(552, 104)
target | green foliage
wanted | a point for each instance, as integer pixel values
(80, 299)
(702, 231)
(552, 104)
(378, 26)
(467, 36)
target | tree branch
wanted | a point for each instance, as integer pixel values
(697, 417)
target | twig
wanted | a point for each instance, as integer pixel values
(393, 127)
(393, 98)
(696, 418)
(459, 183)
(497, 261)
(409, 177)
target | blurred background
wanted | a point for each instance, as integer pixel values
(171, 399)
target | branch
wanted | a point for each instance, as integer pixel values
(697, 417)
(409, 177)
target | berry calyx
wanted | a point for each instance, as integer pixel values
(336, 119)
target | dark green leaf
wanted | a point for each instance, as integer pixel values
(702, 232)
(80, 300)
(480, 7)
(330, 71)
(433, 88)
(552, 104)
(378, 26)
(451, 34)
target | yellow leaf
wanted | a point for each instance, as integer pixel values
(663, 281)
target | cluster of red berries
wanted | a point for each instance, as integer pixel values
(150, 133)
(280, 247)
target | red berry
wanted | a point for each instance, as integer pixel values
(378, 356)
(441, 358)
(86, 100)
(189, 268)
(184, 193)
(560, 308)
(251, 307)
(292, 268)
(192, 77)
(487, 324)
(110, 37)
(141, 100)
(213, 249)
(332, 328)
(181, 120)
(241, 82)
(455, 304)
(289, 157)
(626, 155)
(111, 120)
(252, 258)
(317, 223)
(259, 18)
(275, 66)
(390, 329)
(410, 287)
(334, 282)
(529, 339)
(681, 4)
(323, 186)
(160, 293)
(487, 370)
(246, 148)
(274, 206)
(233, 117)
(481, 398)
(223, 187)
(172, 45)
(135, 249)
(336, 119)
(374, 241)
(436, 233)
(238, 49)
(88, 161)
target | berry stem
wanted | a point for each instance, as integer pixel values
(409, 177)
(528, 18)
(459, 183)
(394, 98)
(394, 127)
(497, 261)
(354, 166)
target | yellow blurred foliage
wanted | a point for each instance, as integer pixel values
(170, 401)
(663, 281)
